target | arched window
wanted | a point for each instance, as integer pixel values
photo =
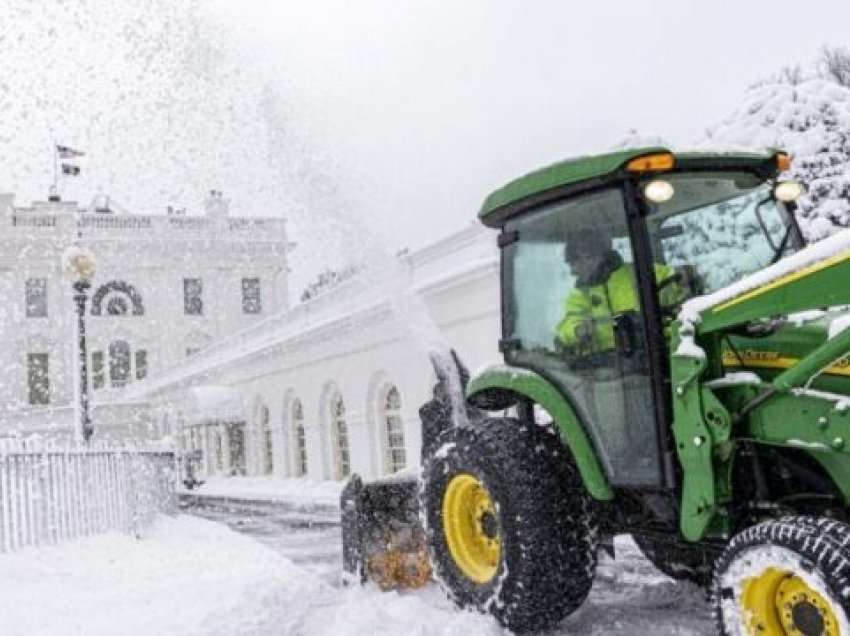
(339, 432)
(268, 442)
(395, 457)
(118, 298)
(299, 439)
(119, 363)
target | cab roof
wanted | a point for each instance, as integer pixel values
(559, 178)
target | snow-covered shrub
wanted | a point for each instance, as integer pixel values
(809, 118)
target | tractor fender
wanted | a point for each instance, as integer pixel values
(501, 386)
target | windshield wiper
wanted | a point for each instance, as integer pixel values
(777, 253)
(777, 249)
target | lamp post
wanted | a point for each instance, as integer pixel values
(78, 265)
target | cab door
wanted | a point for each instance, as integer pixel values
(583, 328)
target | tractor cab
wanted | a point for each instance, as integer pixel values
(596, 268)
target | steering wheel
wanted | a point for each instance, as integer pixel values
(691, 283)
(670, 311)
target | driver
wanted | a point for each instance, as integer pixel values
(604, 288)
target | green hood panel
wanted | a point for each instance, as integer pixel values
(768, 356)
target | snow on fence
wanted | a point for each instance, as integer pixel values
(50, 494)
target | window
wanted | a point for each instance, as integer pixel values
(570, 289)
(98, 377)
(395, 456)
(38, 379)
(141, 364)
(721, 226)
(36, 297)
(251, 300)
(300, 439)
(119, 363)
(339, 431)
(193, 303)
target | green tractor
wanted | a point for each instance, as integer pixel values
(674, 368)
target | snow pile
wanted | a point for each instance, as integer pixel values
(185, 571)
(811, 120)
(303, 490)
(193, 576)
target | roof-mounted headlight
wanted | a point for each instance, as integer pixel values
(658, 191)
(788, 191)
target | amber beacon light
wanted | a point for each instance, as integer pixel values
(652, 163)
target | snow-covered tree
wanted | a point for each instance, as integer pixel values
(810, 118)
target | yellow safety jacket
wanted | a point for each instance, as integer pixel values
(598, 304)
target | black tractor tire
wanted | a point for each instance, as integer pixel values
(679, 562)
(543, 521)
(784, 576)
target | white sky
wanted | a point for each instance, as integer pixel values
(369, 123)
(429, 105)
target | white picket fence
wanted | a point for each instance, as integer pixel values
(50, 494)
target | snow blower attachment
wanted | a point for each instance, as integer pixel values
(382, 535)
(664, 375)
(382, 539)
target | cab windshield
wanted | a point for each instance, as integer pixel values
(721, 227)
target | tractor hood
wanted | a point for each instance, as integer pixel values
(785, 344)
(814, 278)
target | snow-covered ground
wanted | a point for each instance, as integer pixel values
(279, 575)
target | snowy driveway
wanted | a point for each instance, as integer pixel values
(629, 596)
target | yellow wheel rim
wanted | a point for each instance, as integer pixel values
(779, 603)
(471, 527)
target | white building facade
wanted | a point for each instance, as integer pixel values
(165, 287)
(333, 386)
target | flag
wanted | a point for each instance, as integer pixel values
(68, 169)
(67, 153)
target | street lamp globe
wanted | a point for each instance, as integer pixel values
(78, 264)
